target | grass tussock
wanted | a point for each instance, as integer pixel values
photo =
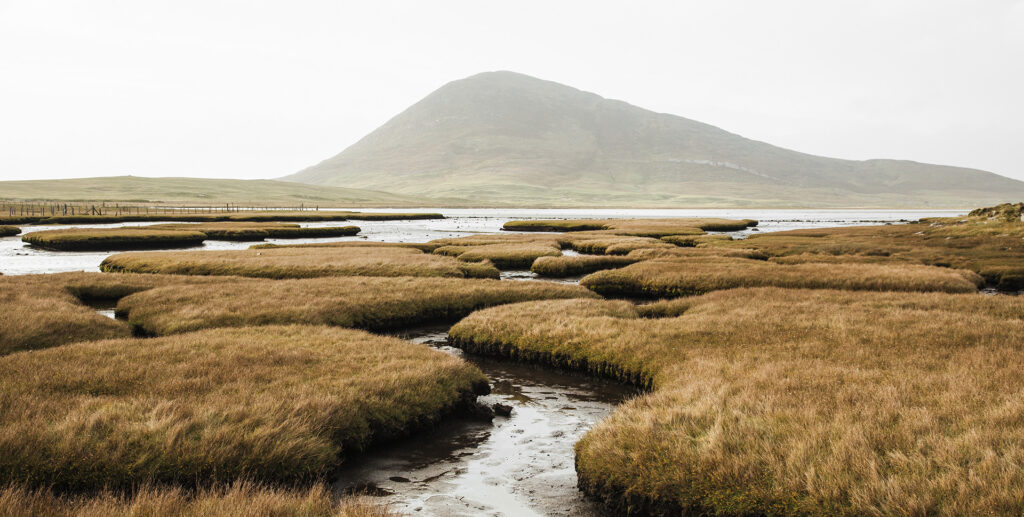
(990, 245)
(9, 231)
(692, 241)
(636, 227)
(274, 404)
(584, 242)
(691, 276)
(503, 256)
(35, 319)
(486, 239)
(83, 239)
(43, 311)
(373, 303)
(781, 401)
(571, 225)
(239, 498)
(248, 231)
(426, 247)
(300, 263)
(701, 251)
(614, 244)
(565, 266)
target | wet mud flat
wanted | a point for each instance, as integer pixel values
(518, 465)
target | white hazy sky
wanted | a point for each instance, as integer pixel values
(251, 89)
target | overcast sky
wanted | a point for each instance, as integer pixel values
(249, 89)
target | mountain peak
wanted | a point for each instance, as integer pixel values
(507, 137)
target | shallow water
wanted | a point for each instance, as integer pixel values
(517, 466)
(17, 258)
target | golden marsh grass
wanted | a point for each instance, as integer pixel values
(989, 246)
(248, 231)
(300, 263)
(34, 319)
(783, 401)
(239, 498)
(691, 276)
(273, 404)
(9, 231)
(375, 303)
(503, 256)
(614, 244)
(690, 241)
(422, 246)
(83, 239)
(560, 267)
(42, 311)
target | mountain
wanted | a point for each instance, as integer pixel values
(200, 191)
(504, 137)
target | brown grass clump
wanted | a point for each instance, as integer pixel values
(583, 242)
(503, 256)
(273, 404)
(42, 311)
(989, 246)
(299, 263)
(41, 319)
(560, 267)
(636, 227)
(8, 231)
(373, 303)
(690, 276)
(239, 498)
(485, 239)
(82, 239)
(555, 225)
(426, 247)
(614, 244)
(701, 251)
(691, 241)
(780, 401)
(235, 231)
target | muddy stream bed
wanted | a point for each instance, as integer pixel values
(520, 465)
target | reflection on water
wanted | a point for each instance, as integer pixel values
(519, 465)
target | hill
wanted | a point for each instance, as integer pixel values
(503, 137)
(201, 191)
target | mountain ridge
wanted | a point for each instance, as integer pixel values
(508, 138)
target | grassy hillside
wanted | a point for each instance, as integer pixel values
(202, 191)
(502, 137)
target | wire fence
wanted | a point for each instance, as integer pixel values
(65, 209)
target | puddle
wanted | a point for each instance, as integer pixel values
(104, 307)
(519, 465)
(992, 291)
(530, 276)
